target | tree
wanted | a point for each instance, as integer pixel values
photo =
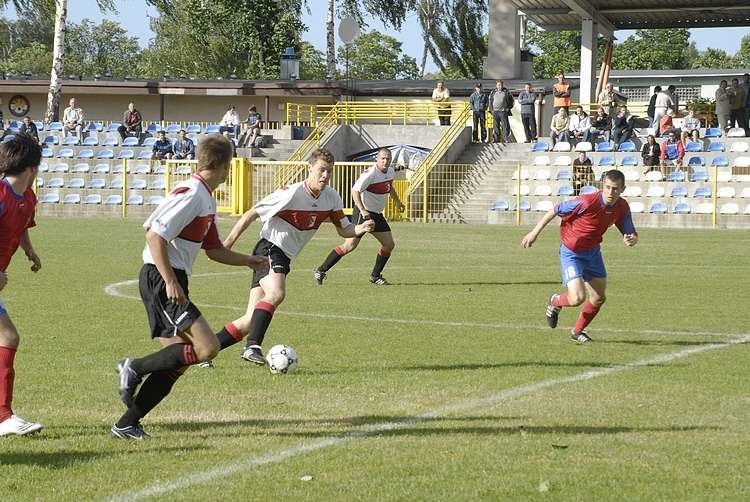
(429, 13)
(330, 41)
(458, 42)
(713, 58)
(653, 50)
(312, 65)
(375, 56)
(92, 49)
(28, 28)
(742, 57)
(35, 58)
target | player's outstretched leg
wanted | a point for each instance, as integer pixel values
(552, 312)
(259, 322)
(580, 337)
(319, 274)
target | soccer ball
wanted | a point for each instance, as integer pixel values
(282, 359)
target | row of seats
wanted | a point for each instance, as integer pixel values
(88, 153)
(101, 183)
(657, 207)
(723, 175)
(152, 128)
(629, 146)
(106, 168)
(635, 191)
(95, 199)
(635, 160)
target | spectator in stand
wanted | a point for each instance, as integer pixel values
(601, 124)
(650, 154)
(579, 125)
(501, 103)
(672, 152)
(695, 135)
(162, 149)
(583, 173)
(622, 127)
(252, 127)
(478, 102)
(609, 100)
(652, 106)
(132, 122)
(746, 87)
(666, 124)
(441, 94)
(561, 93)
(73, 117)
(230, 122)
(723, 107)
(737, 105)
(691, 122)
(559, 126)
(528, 117)
(672, 91)
(663, 101)
(29, 128)
(184, 147)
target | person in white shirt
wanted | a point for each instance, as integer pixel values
(579, 125)
(231, 122)
(73, 118)
(441, 94)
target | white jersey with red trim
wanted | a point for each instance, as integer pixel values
(186, 219)
(374, 187)
(291, 215)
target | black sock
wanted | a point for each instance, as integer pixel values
(259, 322)
(331, 260)
(380, 262)
(171, 357)
(156, 387)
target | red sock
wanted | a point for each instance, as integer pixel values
(7, 376)
(560, 300)
(588, 312)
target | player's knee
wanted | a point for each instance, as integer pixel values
(9, 338)
(206, 351)
(599, 300)
(576, 298)
(275, 297)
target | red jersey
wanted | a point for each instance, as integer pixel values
(585, 219)
(16, 215)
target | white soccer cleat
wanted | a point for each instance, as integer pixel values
(16, 425)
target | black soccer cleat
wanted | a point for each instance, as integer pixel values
(254, 355)
(128, 381)
(552, 314)
(319, 276)
(134, 432)
(379, 280)
(581, 337)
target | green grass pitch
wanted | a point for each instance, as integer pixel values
(446, 385)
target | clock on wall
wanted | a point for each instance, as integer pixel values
(18, 105)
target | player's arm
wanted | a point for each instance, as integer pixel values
(228, 257)
(36, 263)
(357, 198)
(397, 199)
(158, 247)
(353, 230)
(531, 237)
(245, 220)
(627, 228)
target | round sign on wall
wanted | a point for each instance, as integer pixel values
(18, 105)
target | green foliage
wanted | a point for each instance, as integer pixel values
(653, 50)
(375, 56)
(312, 65)
(92, 49)
(35, 57)
(713, 58)
(457, 44)
(391, 12)
(28, 28)
(743, 55)
(557, 51)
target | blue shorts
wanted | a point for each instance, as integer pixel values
(585, 264)
(2, 308)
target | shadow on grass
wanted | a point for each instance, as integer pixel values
(479, 283)
(62, 459)
(665, 343)
(470, 367)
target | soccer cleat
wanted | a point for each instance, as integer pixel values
(128, 381)
(253, 354)
(135, 432)
(319, 275)
(581, 337)
(379, 280)
(552, 314)
(17, 426)
(208, 365)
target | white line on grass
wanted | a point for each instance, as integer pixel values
(115, 290)
(245, 464)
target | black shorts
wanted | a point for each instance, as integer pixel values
(279, 262)
(381, 224)
(165, 318)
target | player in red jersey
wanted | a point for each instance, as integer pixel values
(19, 165)
(584, 221)
(290, 216)
(370, 194)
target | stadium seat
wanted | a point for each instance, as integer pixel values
(60, 167)
(587, 189)
(105, 153)
(153, 128)
(702, 192)
(97, 184)
(76, 183)
(563, 174)
(541, 160)
(542, 174)
(130, 141)
(658, 208)
(539, 146)
(71, 141)
(186, 169)
(742, 161)
(723, 175)
(500, 205)
(682, 208)
(696, 162)
(699, 176)
(113, 127)
(631, 175)
(111, 141)
(91, 141)
(214, 129)
(607, 160)
(50, 198)
(55, 183)
(676, 176)
(523, 190)
(116, 184)
(65, 153)
(525, 205)
(55, 126)
(149, 142)
(745, 193)
(193, 129)
(524, 174)
(72, 198)
(101, 168)
(8, 137)
(134, 200)
(142, 169)
(747, 209)
(125, 153)
(694, 147)
(138, 184)
(85, 153)
(604, 146)
(713, 132)
(632, 191)
(47, 152)
(95, 127)
(50, 141)
(173, 128)
(739, 147)
(726, 192)
(542, 190)
(583, 146)
(544, 205)
(117, 169)
(715, 146)
(655, 190)
(629, 161)
(565, 191)
(144, 155)
(158, 184)
(113, 199)
(654, 176)
(563, 160)
(679, 191)
(39, 182)
(43, 167)
(736, 132)
(14, 126)
(160, 169)
(561, 146)
(729, 208)
(39, 125)
(720, 161)
(155, 200)
(627, 146)
(704, 208)
(93, 198)
(637, 207)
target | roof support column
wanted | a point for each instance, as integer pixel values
(504, 41)
(588, 61)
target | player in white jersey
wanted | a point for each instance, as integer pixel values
(370, 194)
(290, 217)
(182, 224)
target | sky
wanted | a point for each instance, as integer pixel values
(131, 17)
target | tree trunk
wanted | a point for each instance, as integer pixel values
(330, 45)
(58, 61)
(424, 57)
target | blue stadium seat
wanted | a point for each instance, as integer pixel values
(76, 183)
(55, 183)
(71, 141)
(60, 167)
(716, 146)
(629, 161)
(135, 200)
(498, 205)
(144, 155)
(149, 142)
(694, 146)
(682, 208)
(114, 199)
(111, 141)
(160, 169)
(160, 184)
(607, 160)
(86, 153)
(130, 141)
(142, 169)
(8, 137)
(696, 162)
(95, 127)
(658, 208)
(173, 128)
(116, 183)
(113, 126)
(72, 198)
(604, 146)
(720, 161)
(700, 176)
(55, 126)
(138, 184)
(563, 174)
(93, 198)
(152, 128)
(214, 129)
(679, 191)
(50, 198)
(676, 176)
(713, 132)
(65, 153)
(14, 126)
(101, 168)
(39, 125)
(97, 183)
(587, 189)
(702, 192)
(193, 129)
(105, 153)
(627, 146)
(91, 141)
(47, 152)
(82, 167)
(565, 191)
(51, 140)
(125, 153)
